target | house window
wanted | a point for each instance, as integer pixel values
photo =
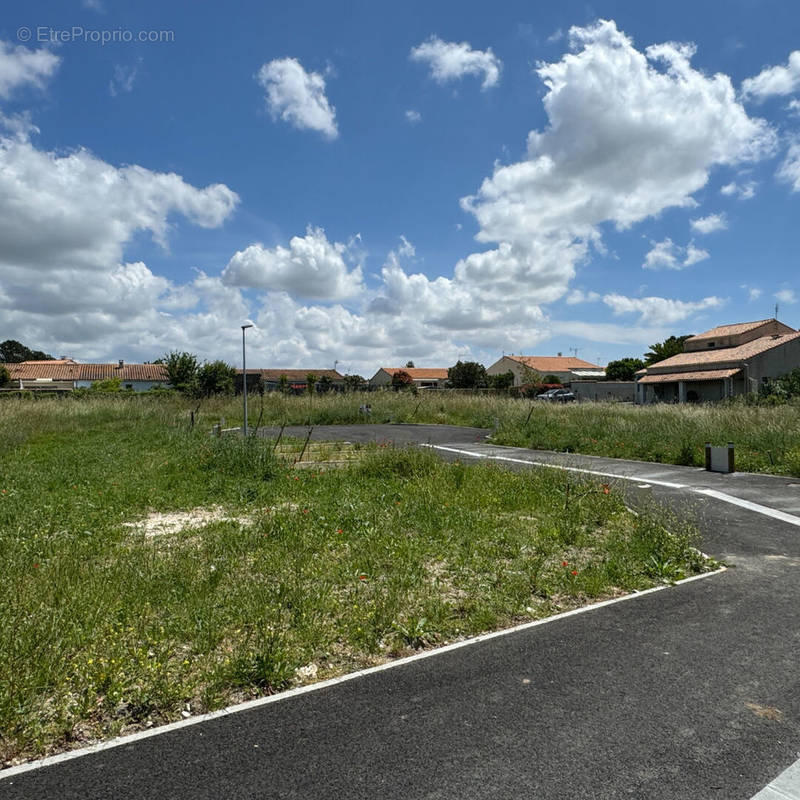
(712, 344)
(129, 386)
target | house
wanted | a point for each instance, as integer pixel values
(65, 375)
(725, 361)
(566, 369)
(422, 377)
(296, 380)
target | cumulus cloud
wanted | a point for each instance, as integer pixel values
(311, 267)
(742, 191)
(20, 66)
(659, 310)
(668, 255)
(789, 170)
(753, 293)
(451, 61)
(298, 97)
(779, 80)
(787, 296)
(413, 116)
(710, 224)
(630, 134)
(65, 221)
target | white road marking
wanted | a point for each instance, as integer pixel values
(489, 456)
(313, 687)
(785, 787)
(783, 516)
(757, 507)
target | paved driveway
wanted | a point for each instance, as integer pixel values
(691, 692)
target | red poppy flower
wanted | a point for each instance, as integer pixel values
(565, 563)
(574, 572)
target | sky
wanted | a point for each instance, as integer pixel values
(371, 183)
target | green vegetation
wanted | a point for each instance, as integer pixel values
(111, 620)
(624, 369)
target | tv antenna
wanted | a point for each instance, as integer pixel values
(575, 350)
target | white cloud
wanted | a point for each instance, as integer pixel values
(310, 267)
(741, 191)
(65, 221)
(773, 81)
(451, 61)
(710, 224)
(793, 106)
(789, 170)
(753, 293)
(579, 296)
(659, 310)
(123, 79)
(413, 116)
(20, 66)
(298, 97)
(629, 135)
(787, 296)
(555, 36)
(668, 255)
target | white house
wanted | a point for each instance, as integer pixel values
(422, 377)
(566, 369)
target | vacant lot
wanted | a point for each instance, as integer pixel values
(767, 438)
(151, 572)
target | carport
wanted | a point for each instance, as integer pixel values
(687, 387)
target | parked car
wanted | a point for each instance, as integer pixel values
(557, 396)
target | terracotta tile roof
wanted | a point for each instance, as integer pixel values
(419, 373)
(292, 375)
(729, 330)
(724, 356)
(57, 370)
(702, 375)
(554, 363)
(72, 371)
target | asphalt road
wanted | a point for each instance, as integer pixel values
(691, 692)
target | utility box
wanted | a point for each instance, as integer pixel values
(720, 459)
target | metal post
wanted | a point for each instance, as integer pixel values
(244, 379)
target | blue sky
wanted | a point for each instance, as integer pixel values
(372, 183)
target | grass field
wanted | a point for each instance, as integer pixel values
(113, 617)
(767, 438)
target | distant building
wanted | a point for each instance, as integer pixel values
(65, 375)
(566, 369)
(726, 361)
(422, 377)
(296, 380)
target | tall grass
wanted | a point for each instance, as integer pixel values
(105, 629)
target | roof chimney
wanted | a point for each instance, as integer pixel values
(121, 363)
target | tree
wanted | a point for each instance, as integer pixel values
(401, 379)
(354, 383)
(324, 384)
(409, 365)
(283, 384)
(215, 377)
(311, 379)
(106, 386)
(502, 382)
(623, 369)
(181, 369)
(666, 349)
(12, 352)
(530, 375)
(783, 388)
(551, 379)
(467, 375)
(5, 376)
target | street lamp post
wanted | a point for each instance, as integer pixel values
(244, 378)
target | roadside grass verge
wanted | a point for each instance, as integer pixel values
(105, 628)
